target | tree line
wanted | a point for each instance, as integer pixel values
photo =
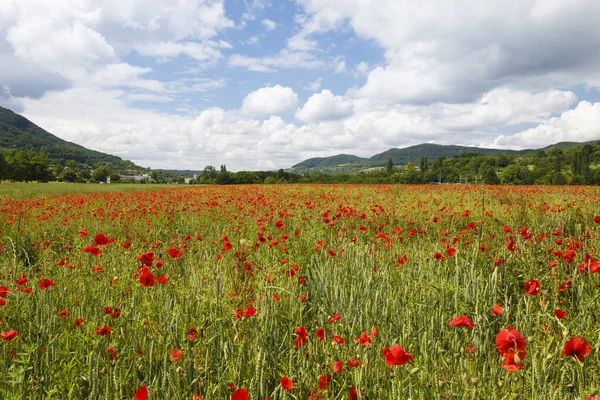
(578, 165)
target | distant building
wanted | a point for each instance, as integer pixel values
(136, 178)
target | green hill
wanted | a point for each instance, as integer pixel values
(343, 163)
(18, 133)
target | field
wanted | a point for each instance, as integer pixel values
(296, 292)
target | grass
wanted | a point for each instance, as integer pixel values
(340, 246)
(20, 190)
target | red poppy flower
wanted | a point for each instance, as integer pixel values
(439, 256)
(163, 280)
(4, 291)
(112, 353)
(353, 363)
(92, 250)
(79, 322)
(338, 339)
(334, 317)
(496, 310)
(337, 366)
(6, 336)
(597, 219)
(320, 333)
(192, 334)
(141, 394)
(100, 239)
(364, 339)
(175, 355)
(353, 393)
(240, 394)
(64, 314)
(450, 251)
(323, 381)
(286, 383)
(104, 330)
(462, 320)
(175, 253)
(513, 361)
(250, 312)
(560, 314)
(510, 339)
(147, 279)
(45, 284)
(577, 347)
(300, 341)
(147, 259)
(532, 287)
(396, 356)
(22, 280)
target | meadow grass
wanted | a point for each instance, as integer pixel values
(342, 247)
(18, 190)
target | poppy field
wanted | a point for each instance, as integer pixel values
(301, 292)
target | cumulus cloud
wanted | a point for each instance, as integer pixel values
(271, 100)
(580, 124)
(269, 24)
(325, 106)
(73, 39)
(459, 51)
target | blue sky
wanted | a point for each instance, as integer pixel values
(264, 84)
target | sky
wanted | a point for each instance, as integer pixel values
(265, 84)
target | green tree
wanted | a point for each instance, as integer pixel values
(390, 165)
(2, 167)
(409, 167)
(210, 172)
(101, 173)
(114, 177)
(68, 175)
(423, 164)
(511, 174)
(72, 164)
(488, 174)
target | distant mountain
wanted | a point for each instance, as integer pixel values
(18, 133)
(343, 163)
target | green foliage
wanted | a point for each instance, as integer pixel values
(18, 133)
(101, 173)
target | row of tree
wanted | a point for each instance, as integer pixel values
(574, 165)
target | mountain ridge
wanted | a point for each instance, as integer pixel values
(19, 133)
(401, 156)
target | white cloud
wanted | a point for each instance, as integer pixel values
(271, 100)
(361, 69)
(285, 59)
(457, 51)
(269, 24)
(148, 97)
(340, 65)
(123, 74)
(325, 106)
(205, 51)
(312, 86)
(74, 38)
(578, 125)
